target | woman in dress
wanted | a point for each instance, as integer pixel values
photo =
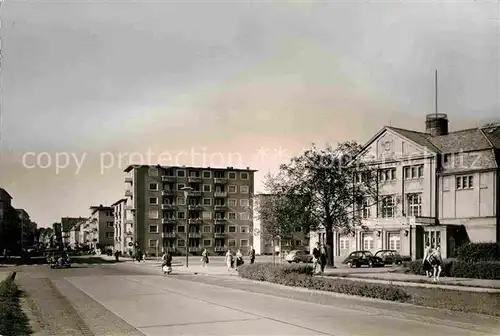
(427, 265)
(436, 261)
(239, 259)
(229, 259)
(204, 257)
(167, 263)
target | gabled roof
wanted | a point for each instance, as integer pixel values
(131, 167)
(119, 201)
(2, 190)
(417, 137)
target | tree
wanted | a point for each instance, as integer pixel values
(325, 188)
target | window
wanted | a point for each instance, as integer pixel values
(298, 243)
(153, 214)
(207, 188)
(231, 189)
(153, 229)
(387, 174)
(153, 186)
(364, 210)
(110, 224)
(413, 172)
(152, 243)
(207, 215)
(388, 206)
(232, 202)
(180, 186)
(414, 205)
(181, 201)
(181, 229)
(207, 229)
(465, 182)
(181, 173)
(110, 235)
(344, 243)
(207, 174)
(394, 242)
(181, 215)
(244, 229)
(298, 229)
(207, 201)
(368, 243)
(244, 176)
(207, 242)
(244, 189)
(244, 202)
(153, 171)
(244, 216)
(231, 243)
(232, 229)
(232, 175)
(181, 242)
(244, 242)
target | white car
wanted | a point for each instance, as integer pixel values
(299, 256)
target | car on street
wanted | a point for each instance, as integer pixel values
(363, 258)
(298, 256)
(390, 257)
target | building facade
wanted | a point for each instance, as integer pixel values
(123, 227)
(9, 229)
(75, 236)
(298, 239)
(435, 187)
(101, 225)
(216, 215)
(67, 223)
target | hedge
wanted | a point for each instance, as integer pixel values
(477, 252)
(459, 269)
(301, 276)
(13, 321)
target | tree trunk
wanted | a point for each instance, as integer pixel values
(329, 247)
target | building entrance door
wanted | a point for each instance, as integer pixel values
(432, 237)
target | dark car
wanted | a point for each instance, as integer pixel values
(392, 257)
(360, 258)
(299, 256)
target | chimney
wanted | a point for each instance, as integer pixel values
(436, 124)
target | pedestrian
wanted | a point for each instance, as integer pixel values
(138, 256)
(229, 259)
(204, 257)
(316, 257)
(436, 261)
(323, 257)
(166, 263)
(144, 256)
(427, 265)
(239, 259)
(117, 255)
(251, 253)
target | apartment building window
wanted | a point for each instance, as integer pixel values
(206, 215)
(207, 188)
(181, 201)
(368, 243)
(244, 189)
(180, 186)
(388, 206)
(232, 202)
(207, 229)
(181, 215)
(153, 171)
(244, 176)
(232, 189)
(244, 216)
(415, 204)
(413, 172)
(244, 202)
(231, 243)
(364, 210)
(231, 175)
(207, 242)
(465, 182)
(344, 243)
(153, 200)
(207, 201)
(110, 224)
(153, 214)
(110, 235)
(244, 229)
(181, 173)
(298, 229)
(153, 186)
(153, 229)
(232, 229)
(181, 242)
(387, 174)
(244, 242)
(394, 242)
(207, 174)
(181, 228)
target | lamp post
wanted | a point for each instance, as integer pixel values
(186, 195)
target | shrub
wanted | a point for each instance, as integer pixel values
(476, 252)
(13, 321)
(460, 269)
(301, 276)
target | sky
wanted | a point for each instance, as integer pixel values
(88, 87)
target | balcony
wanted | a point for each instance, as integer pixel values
(169, 235)
(168, 192)
(128, 221)
(194, 193)
(170, 249)
(129, 179)
(128, 193)
(195, 207)
(168, 179)
(129, 207)
(220, 249)
(194, 179)
(220, 221)
(194, 249)
(220, 180)
(220, 194)
(168, 221)
(218, 235)
(194, 234)
(220, 207)
(168, 207)
(195, 221)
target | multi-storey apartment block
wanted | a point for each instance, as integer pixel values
(75, 234)
(123, 227)
(298, 239)
(98, 229)
(435, 187)
(67, 223)
(215, 214)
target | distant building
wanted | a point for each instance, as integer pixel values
(58, 237)
(67, 223)
(75, 237)
(27, 227)
(100, 227)
(123, 226)
(9, 229)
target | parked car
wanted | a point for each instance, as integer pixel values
(392, 257)
(298, 256)
(360, 258)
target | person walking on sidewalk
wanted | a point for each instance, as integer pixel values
(229, 259)
(436, 261)
(239, 259)
(427, 265)
(323, 257)
(166, 263)
(251, 253)
(316, 255)
(204, 258)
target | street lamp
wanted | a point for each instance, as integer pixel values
(186, 195)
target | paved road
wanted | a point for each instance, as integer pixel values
(153, 304)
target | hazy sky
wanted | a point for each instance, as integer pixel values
(99, 79)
